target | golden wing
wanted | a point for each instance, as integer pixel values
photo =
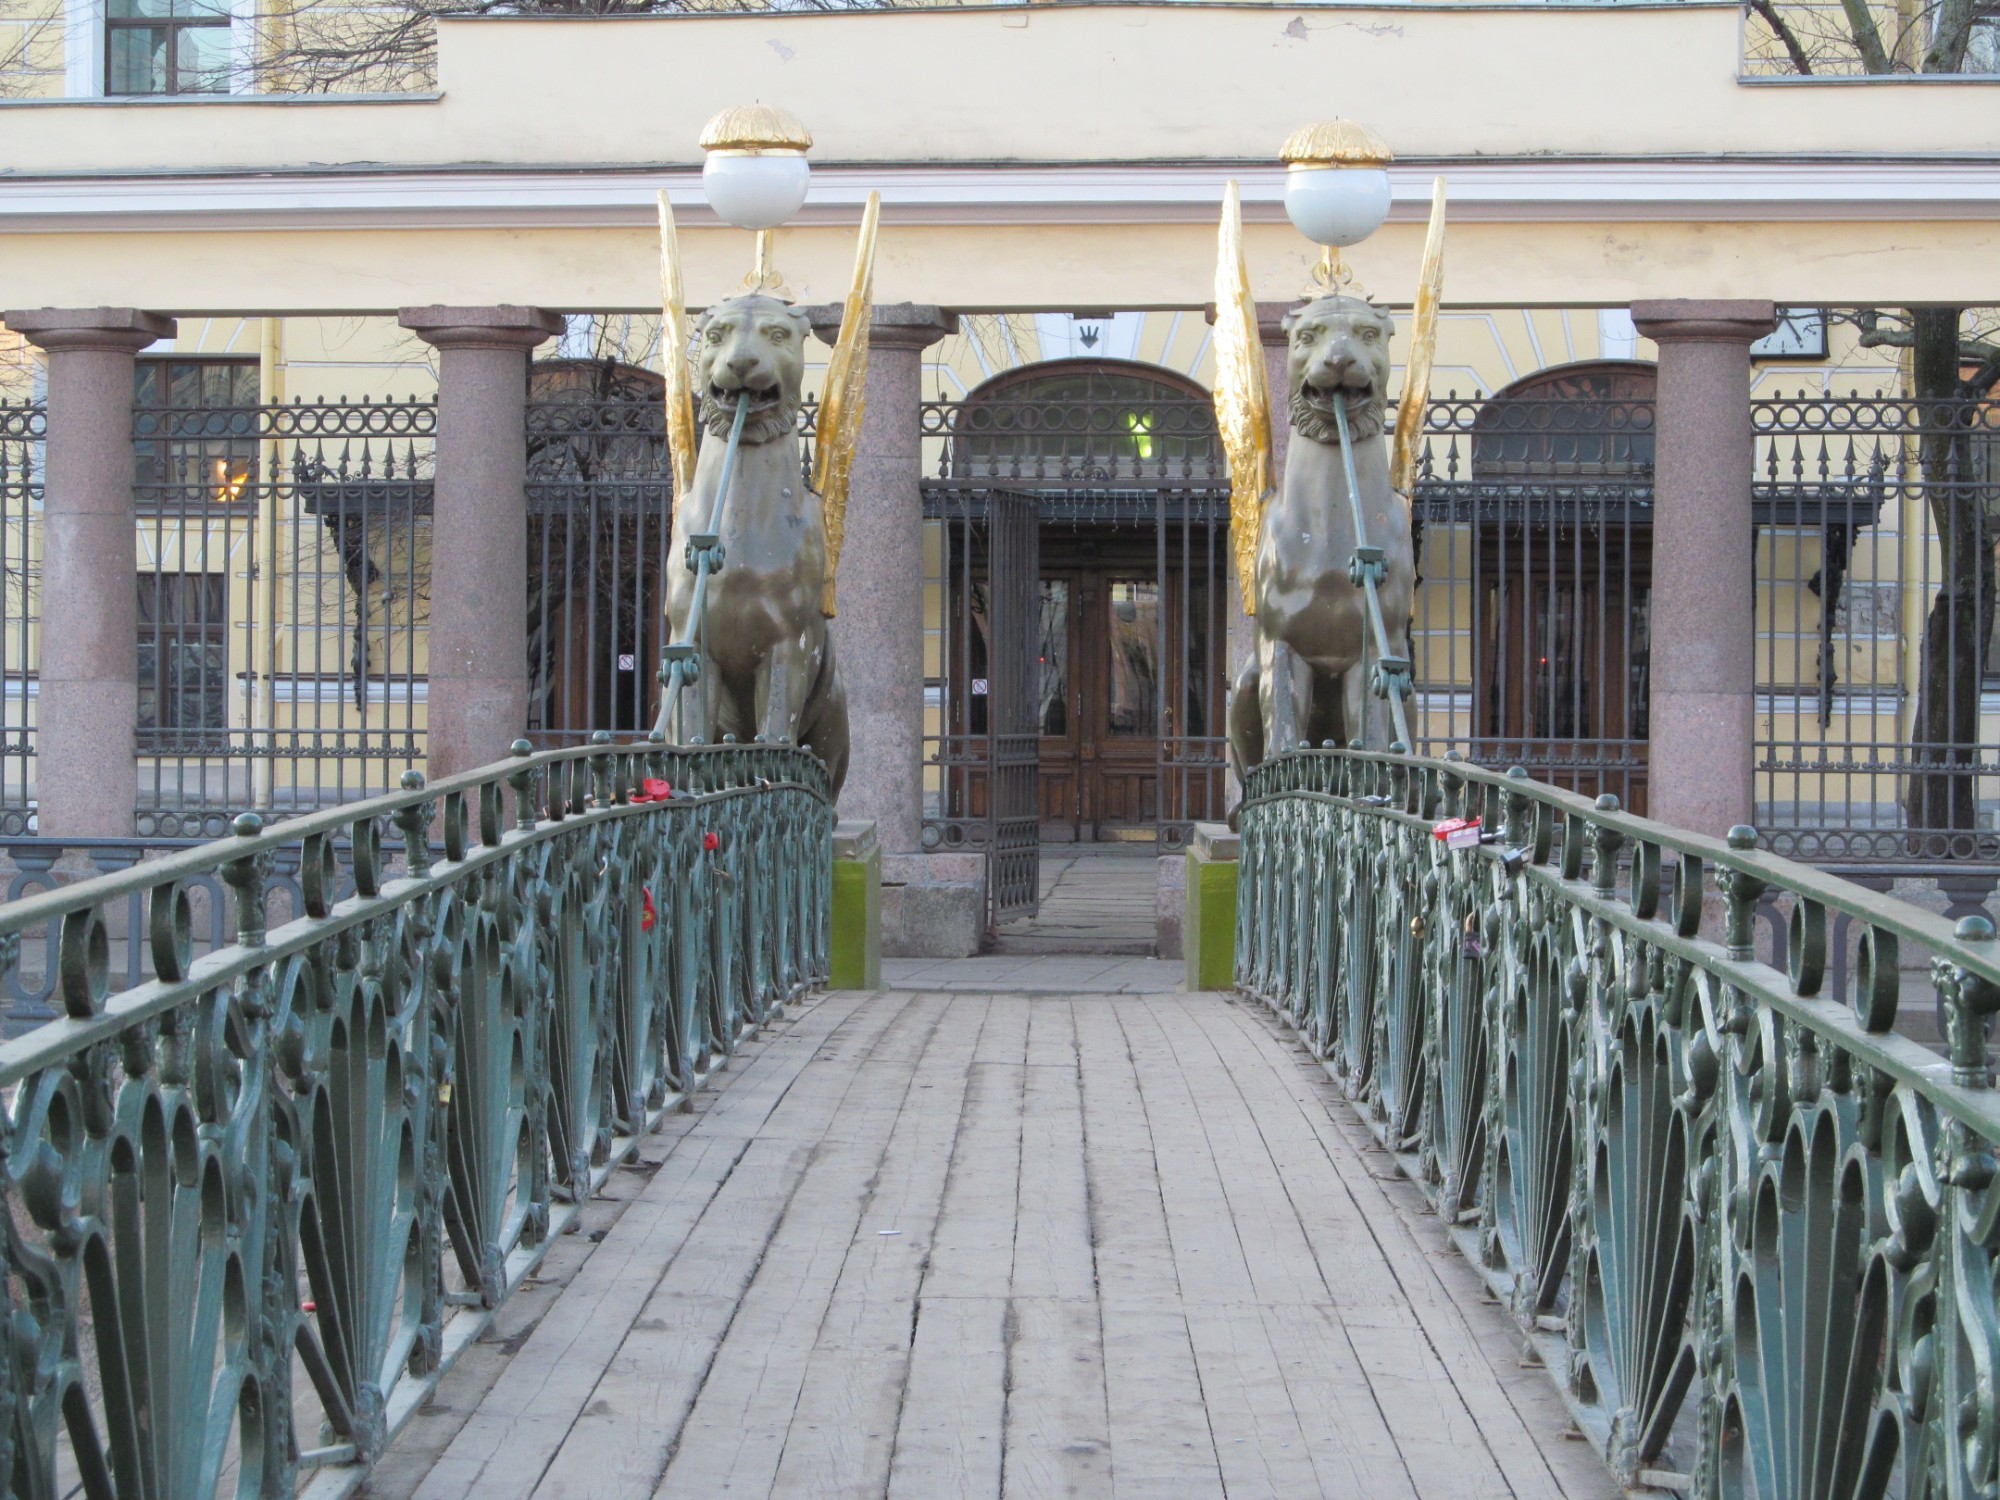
(1242, 400)
(1423, 344)
(841, 406)
(675, 336)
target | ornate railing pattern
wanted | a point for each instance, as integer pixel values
(337, 1144)
(1752, 1231)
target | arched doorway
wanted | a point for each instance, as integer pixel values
(1117, 468)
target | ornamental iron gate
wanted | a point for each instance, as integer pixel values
(1117, 472)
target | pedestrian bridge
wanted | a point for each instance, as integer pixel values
(934, 1243)
(529, 1158)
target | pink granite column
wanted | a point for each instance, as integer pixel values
(879, 633)
(88, 712)
(1704, 607)
(479, 530)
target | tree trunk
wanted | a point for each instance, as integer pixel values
(1940, 796)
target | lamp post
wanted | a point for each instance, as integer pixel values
(1336, 193)
(755, 176)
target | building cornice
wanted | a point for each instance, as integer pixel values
(1531, 190)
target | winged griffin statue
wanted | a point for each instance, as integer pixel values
(1327, 560)
(752, 655)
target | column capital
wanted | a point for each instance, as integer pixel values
(124, 330)
(896, 325)
(502, 327)
(1681, 320)
(1270, 321)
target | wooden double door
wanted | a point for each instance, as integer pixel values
(1126, 658)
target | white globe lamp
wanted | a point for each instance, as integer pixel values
(1336, 190)
(755, 174)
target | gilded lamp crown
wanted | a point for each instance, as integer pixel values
(756, 129)
(1335, 143)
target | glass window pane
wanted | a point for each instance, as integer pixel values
(1132, 632)
(138, 60)
(138, 10)
(202, 60)
(1053, 696)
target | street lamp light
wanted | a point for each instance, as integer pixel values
(755, 174)
(1336, 191)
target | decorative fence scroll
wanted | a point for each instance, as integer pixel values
(1751, 1229)
(258, 1202)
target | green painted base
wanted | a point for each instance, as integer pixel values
(1208, 936)
(856, 960)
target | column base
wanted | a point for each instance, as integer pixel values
(933, 905)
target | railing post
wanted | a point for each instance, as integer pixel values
(88, 712)
(479, 530)
(1701, 767)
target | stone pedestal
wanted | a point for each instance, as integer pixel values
(879, 634)
(479, 530)
(1208, 931)
(88, 712)
(1703, 608)
(855, 962)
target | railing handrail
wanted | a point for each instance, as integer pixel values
(1832, 891)
(66, 1036)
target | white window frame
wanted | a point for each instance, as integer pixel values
(85, 61)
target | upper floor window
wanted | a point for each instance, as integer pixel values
(167, 47)
(195, 437)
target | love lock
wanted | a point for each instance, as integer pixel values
(1469, 945)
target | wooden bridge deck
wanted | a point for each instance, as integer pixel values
(955, 1245)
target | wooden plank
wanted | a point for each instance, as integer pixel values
(1058, 1436)
(950, 1429)
(1517, 1416)
(1340, 1420)
(1160, 1438)
(1058, 1439)
(502, 1450)
(1259, 1443)
(843, 1429)
(618, 1447)
(735, 1435)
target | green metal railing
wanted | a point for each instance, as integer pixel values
(1750, 1229)
(258, 1202)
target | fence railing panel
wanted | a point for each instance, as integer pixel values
(1652, 1082)
(1875, 626)
(284, 606)
(261, 1196)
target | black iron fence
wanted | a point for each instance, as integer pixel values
(1877, 720)
(23, 428)
(600, 510)
(1531, 638)
(284, 604)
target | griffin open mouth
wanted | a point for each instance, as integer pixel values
(760, 400)
(1322, 398)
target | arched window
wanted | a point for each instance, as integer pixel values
(1086, 421)
(1581, 420)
